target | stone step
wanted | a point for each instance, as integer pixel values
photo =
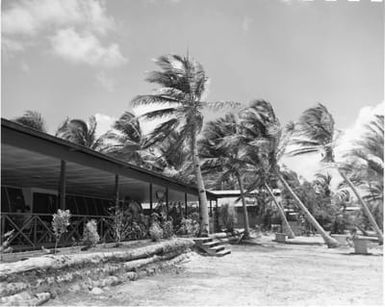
(211, 243)
(202, 240)
(223, 252)
(218, 248)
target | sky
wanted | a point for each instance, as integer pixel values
(79, 58)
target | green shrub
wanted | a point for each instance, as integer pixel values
(188, 227)
(168, 229)
(156, 232)
(60, 222)
(90, 234)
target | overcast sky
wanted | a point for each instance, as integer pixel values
(82, 57)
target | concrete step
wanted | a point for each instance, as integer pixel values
(218, 248)
(202, 240)
(211, 243)
(223, 252)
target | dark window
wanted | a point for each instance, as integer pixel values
(4, 200)
(44, 203)
(99, 206)
(16, 200)
(82, 209)
(90, 206)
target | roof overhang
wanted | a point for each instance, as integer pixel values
(30, 158)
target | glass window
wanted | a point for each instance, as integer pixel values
(82, 209)
(45, 203)
(16, 200)
(71, 204)
(90, 206)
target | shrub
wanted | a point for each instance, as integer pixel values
(228, 216)
(90, 234)
(168, 229)
(60, 222)
(121, 225)
(156, 232)
(188, 227)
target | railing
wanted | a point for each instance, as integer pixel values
(32, 231)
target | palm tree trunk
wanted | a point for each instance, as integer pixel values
(331, 243)
(286, 224)
(246, 234)
(365, 206)
(204, 212)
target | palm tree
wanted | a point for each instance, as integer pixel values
(222, 151)
(183, 83)
(127, 142)
(80, 132)
(315, 133)
(32, 119)
(261, 122)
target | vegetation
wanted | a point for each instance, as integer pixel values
(60, 223)
(90, 234)
(33, 120)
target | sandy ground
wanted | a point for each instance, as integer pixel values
(267, 274)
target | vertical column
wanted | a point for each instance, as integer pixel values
(62, 185)
(150, 198)
(185, 203)
(116, 191)
(167, 201)
(211, 208)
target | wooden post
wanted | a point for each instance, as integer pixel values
(167, 201)
(116, 191)
(185, 203)
(62, 185)
(211, 208)
(150, 198)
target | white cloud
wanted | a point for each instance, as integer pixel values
(353, 133)
(85, 48)
(107, 83)
(246, 23)
(82, 22)
(104, 123)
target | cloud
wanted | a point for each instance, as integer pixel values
(85, 48)
(107, 83)
(104, 123)
(350, 135)
(84, 23)
(246, 23)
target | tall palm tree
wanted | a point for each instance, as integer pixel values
(32, 119)
(315, 132)
(80, 132)
(221, 149)
(183, 83)
(260, 120)
(127, 142)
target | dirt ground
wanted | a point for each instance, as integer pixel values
(266, 274)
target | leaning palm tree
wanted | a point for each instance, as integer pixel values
(315, 132)
(221, 150)
(80, 132)
(32, 119)
(183, 83)
(261, 122)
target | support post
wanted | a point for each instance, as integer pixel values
(167, 201)
(150, 198)
(62, 185)
(185, 203)
(211, 208)
(116, 191)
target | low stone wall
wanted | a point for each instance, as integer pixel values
(36, 280)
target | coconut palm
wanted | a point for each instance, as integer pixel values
(261, 122)
(183, 83)
(80, 132)
(315, 132)
(32, 119)
(127, 142)
(222, 151)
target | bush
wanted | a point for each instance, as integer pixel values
(168, 229)
(60, 222)
(188, 227)
(156, 232)
(229, 217)
(90, 234)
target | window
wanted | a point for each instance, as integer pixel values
(16, 200)
(45, 203)
(4, 200)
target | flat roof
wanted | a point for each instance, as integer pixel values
(31, 158)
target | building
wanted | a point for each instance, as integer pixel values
(41, 173)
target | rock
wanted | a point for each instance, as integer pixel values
(96, 291)
(74, 287)
(41, 298)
